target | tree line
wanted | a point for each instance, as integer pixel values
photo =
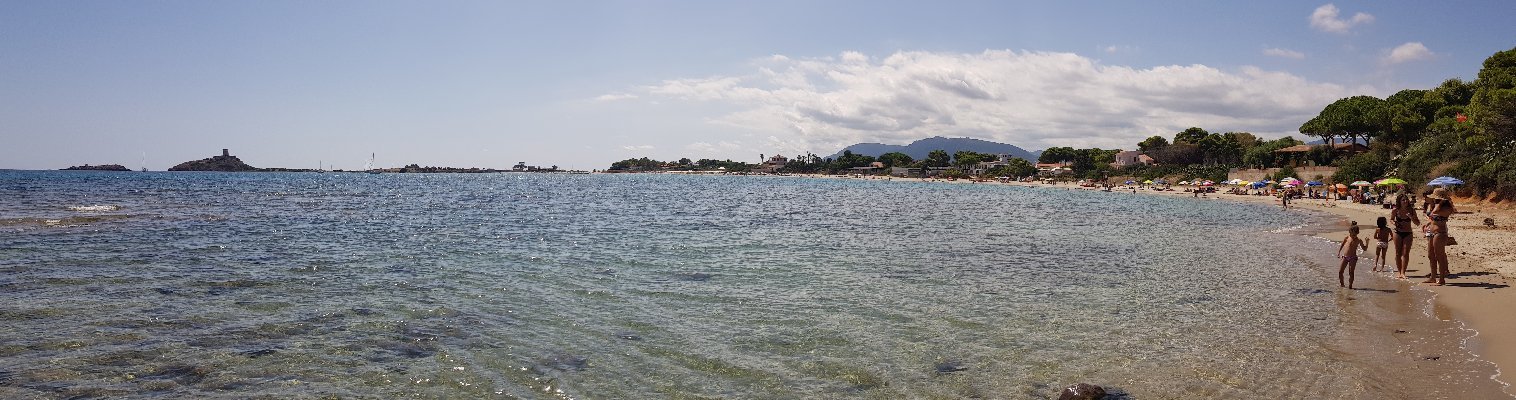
(1463, 129)
(1459, 128)
(812, 164)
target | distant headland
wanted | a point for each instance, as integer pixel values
(226, 162)
(106, 167)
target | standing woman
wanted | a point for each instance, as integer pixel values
(1405, 219)
(1439, 208)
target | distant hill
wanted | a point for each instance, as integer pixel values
(919, 149)
(107, 167)
(224, 162)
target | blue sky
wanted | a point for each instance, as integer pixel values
(581, 84)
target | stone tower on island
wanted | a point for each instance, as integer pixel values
(225, 162)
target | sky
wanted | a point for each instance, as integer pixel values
(581, 84)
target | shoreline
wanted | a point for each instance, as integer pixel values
(1481, 265)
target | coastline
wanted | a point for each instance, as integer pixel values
(1483, 265)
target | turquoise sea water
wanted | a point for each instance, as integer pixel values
(661, 286)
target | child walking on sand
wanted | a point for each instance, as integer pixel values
(1349, 253)
(1381, 243)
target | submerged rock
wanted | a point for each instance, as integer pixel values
(1082, 391)
(950, 366)
(561, 362)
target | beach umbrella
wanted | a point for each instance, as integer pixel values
(1148, 182)
(1259, 185)
(1207, 183)
(1130, 182)
(1184, 182)
(1362, 183)
(1314, 183)
(1390, 181)
(1161, 181)
(1445, 181)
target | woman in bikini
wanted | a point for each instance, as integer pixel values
(1404, 216)
(1439, 208)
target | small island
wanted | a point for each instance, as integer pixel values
(226, 162)
(106, 167)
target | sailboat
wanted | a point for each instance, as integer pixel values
(144, 162)
(319, 168)
(370, 166)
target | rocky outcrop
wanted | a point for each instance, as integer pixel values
(107, 167)
(224, 163)
(1082, 391)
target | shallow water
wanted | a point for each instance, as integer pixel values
(660, 286)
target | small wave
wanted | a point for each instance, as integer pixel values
(95, 208)
(1288, 229)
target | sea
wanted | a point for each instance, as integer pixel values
(662, 286)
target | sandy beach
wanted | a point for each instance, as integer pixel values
(1482, 265)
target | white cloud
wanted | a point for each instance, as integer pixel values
(1031, 99)
(722, 146)
(615, 96)
(1411, 51)
(1285, 53)
(1113, 49)
(1325, 19)
(637, 147)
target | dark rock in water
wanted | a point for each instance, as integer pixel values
(183, 374)
(258, 353)
(950, 366)
(1431, 358)
(562, 362)
(411, 349)
(1082, 391)
(628, 336)
(694, 276)
(224, 163)
(107, 167)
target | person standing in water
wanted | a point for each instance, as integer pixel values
(1439, 208)
(1381, 243)
(1349, 253)
(1404, 216)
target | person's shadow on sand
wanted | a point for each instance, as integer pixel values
(1485, 285)
(1469, 273)
(1379, 290)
